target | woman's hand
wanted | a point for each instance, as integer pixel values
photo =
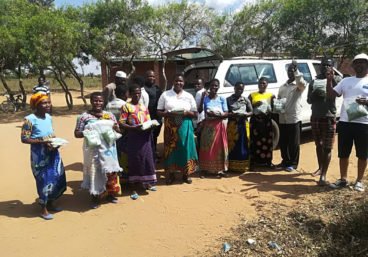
(204, 93)
(137, 128)
(256, 104)
(190, 114)
(361, 100)
(116, 128)
(78, 134)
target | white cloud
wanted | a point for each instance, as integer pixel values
(220, 4)
(93, 67)
(157, 2)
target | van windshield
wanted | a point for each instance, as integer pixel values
(249, 74)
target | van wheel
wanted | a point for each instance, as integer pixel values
(276, 134)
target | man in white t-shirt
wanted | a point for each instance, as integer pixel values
(353, 131)
(199, 88)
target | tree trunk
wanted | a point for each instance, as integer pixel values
(24, 99)
(68, 96)
(132, 70)
(164, 58)
(79, 79)
(2, 77)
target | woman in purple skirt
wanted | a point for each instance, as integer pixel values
(141, 165)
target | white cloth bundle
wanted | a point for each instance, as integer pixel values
(148, 124)
(57, 142)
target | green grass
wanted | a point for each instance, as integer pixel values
(55, 86)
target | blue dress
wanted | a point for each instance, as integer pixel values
(46, 164)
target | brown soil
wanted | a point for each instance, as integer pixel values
(177, 220)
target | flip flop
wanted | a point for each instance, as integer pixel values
(152, 189)
(47, 217)
(134, 196)
(289, 169)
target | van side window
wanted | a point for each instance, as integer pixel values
(317, 68)
(303, 68)
(249, 73)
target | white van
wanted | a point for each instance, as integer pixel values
(248, 70)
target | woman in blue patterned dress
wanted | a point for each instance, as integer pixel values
(46, 163)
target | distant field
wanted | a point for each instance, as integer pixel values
(55, 86)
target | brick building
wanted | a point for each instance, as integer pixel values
(172, 67)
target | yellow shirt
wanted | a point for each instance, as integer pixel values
(256, 96)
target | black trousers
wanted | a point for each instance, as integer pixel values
(290, 144)
(155, 133)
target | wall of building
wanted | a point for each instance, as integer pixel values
(141, 67)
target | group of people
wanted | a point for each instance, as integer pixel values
(128, 125)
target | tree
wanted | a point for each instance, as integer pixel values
(47, 4)
(172, 26)
(219, 35)
(13, 16)
(112, 29)
(51, 43)
(348, 26)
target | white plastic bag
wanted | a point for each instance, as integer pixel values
(279, 105)
(111, 136)
(242, 110)
(264, 108)
(354, 110)
(92, 138)
(320, 85)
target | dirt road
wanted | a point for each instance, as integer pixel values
(177, 220)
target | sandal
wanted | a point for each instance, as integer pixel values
(47, 217)
(134, 196)
(187, 180)
(112, 199)
(222, 174)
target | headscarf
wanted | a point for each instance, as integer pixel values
(37, 98)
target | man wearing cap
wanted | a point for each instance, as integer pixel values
(108, 91)
(323, 119)
(354, 131)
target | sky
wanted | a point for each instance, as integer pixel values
(219, 5)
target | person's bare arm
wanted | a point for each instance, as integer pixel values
(331, 93)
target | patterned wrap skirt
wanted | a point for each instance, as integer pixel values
(213, 151)
(179, 145)
(261, 138)
(49, 172)
(239, 144)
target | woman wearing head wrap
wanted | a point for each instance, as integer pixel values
(46, 163)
